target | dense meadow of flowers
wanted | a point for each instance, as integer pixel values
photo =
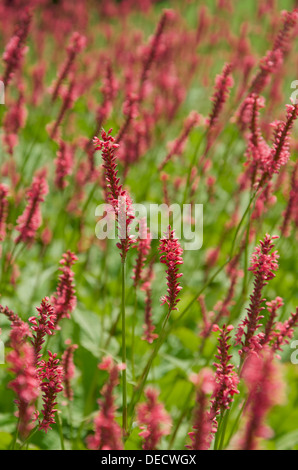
(141, 343)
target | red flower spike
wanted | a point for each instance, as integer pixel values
(51, 376)
(107, 434)
(263, 265)
(171, 255)
(30, 220)
(25, 384)
(153, 420)
(42, 326)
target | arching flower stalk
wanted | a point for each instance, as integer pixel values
(121, 203)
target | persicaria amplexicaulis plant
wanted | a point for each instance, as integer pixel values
(70, 70)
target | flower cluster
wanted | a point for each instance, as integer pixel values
(285, 331)
(272, 308)
(64, 164)
(263, 265)
(289, 214)
(107, 434)
(265, 389)
(76, 45)
(64, 300)
(177, 146)
(171, 256)
(143, 247)
(16, 49)
(25, 383)
(42, 326)
(68, 368)
(13, 121)
(51, 377)
(226, 379)
(3, 210)
(280, 152)
(153, 420)
(116, 195)
(223, 83)
(203, 426)
(30, 220)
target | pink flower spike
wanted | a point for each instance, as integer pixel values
(3, 210)
(76, 45)
(64, 300)
(203, 427)
(15, 50)
(143, 247)
(116, 196)
(153, 420)
(107, 435)
(68, 369)
(30, 220)
(263, 265)
(25, 383)
(226, 379)
(42, 326)
(51, 376)
(171, 256)
(265, 390)
(223, 83)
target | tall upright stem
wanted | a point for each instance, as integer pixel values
(133, 336)
(124, 386)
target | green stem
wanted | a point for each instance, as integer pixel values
(217, 436)
(26, 442)
(70, 424)
(180, 419)
(15, 437)
(193, 162)
(124, 385)
(224, 427)
(235, 425)
(140, 387)
(60, 431)
(133, 336)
